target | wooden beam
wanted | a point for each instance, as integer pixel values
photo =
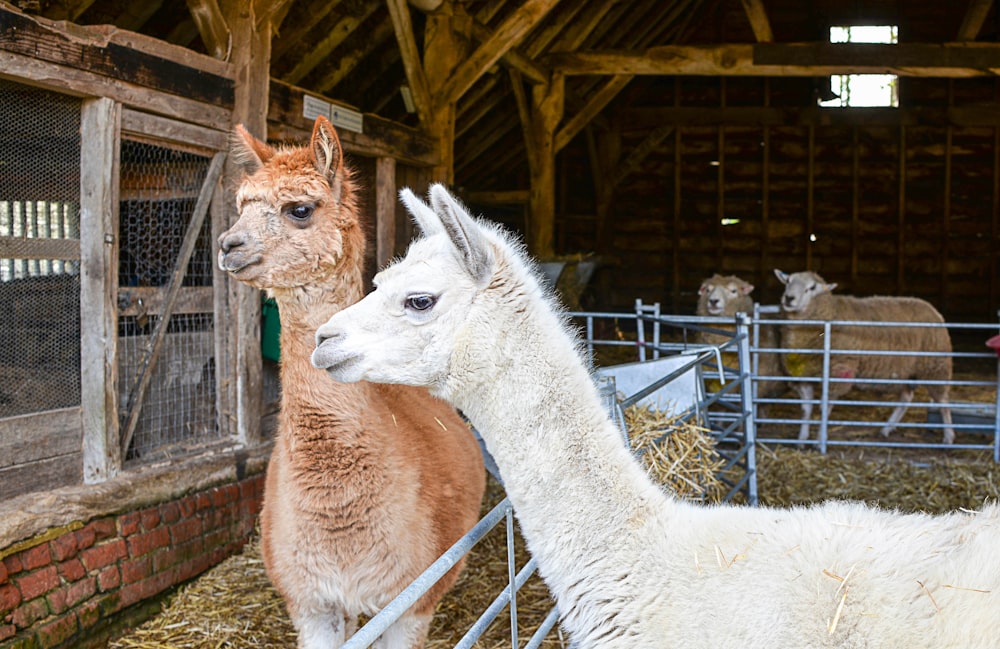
(547, 111)
(597, 102)
(68, 10)
(636, 157)
(514, 58)
(212, 27)
(951, 60)
(507, 35)
(500, 197)
(972, 22)
(758, 20)
(346, 63)
(642, 119)
(415, 77)
(291, 35)
(321, 51)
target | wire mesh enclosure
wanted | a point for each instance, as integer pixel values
(39, 250)
(177, 411)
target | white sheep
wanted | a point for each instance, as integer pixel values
(631, 566)
(808, 297)
(725, 296)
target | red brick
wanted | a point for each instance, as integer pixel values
(136, 569)
(169, 513)
(102, 555)
(89, 615)
(129, 524)
(64, 547)
(150, 518)
(57, 601)
(184, 530)
(36, 584)
(146, 542)
(30, 613)
(104, 528)
(3, 572)
(81, 590)
(85, 537)
(36, 557)
(72, 570)
(187, 506)
(12, 564)
(246, 490)
(7, 631)
(203, 501)
(109, 578)
(58, 631)
(10, 597)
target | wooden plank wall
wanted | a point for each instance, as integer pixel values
(882, 201)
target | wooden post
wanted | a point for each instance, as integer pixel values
(547, 111)
(385, 210)
(444, 49)
(99, 129)
(810, 195)
(251, 58)
(901, 217)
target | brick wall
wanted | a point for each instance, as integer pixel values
(56, 589)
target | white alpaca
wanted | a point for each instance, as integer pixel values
(629, 565)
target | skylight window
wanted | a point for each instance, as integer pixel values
(864, 89)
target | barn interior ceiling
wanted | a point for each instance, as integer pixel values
(349, 51)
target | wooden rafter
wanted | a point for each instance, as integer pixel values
(507, 35)
(67, 9)
(972, 22)
(346, 63)
(402, 25)
(212, 27)
(608, 91)
(290, 35)
(758, 20)
(321, 51)
(514, 58)
(951, 60)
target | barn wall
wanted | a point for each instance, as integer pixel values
(70, 584)
(882, 201)
(901, 201)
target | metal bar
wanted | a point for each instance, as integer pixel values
(375, 627)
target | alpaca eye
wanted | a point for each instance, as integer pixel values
(420, 302)
(300, 212)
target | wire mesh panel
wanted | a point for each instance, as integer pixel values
(39, 250)
(159, 190)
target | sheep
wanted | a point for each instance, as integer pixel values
(725, 296)
(630, 565)
(808, 297)
(367, 484)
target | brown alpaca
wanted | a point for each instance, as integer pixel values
(367, 484)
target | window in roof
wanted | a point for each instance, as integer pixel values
(864, 89)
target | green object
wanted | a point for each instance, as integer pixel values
(270, 331)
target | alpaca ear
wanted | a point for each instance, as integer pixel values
(328, 155)
(782, 277)
(464, 232)
(829, 287)
(249, 152)
(423, 216)
(746, 289)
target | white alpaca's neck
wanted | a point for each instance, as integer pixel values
(564, 464)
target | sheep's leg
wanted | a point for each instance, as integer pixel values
(949, 432)
(805, 391)
(408, 632)
(320, 629)
(904, 402)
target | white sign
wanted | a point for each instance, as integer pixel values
(342, 118)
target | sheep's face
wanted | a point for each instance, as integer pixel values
(720, 295)
(801, 289)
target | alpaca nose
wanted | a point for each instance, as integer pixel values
(326, 333)
(230, 240)
(787, 299)
(713, 302)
